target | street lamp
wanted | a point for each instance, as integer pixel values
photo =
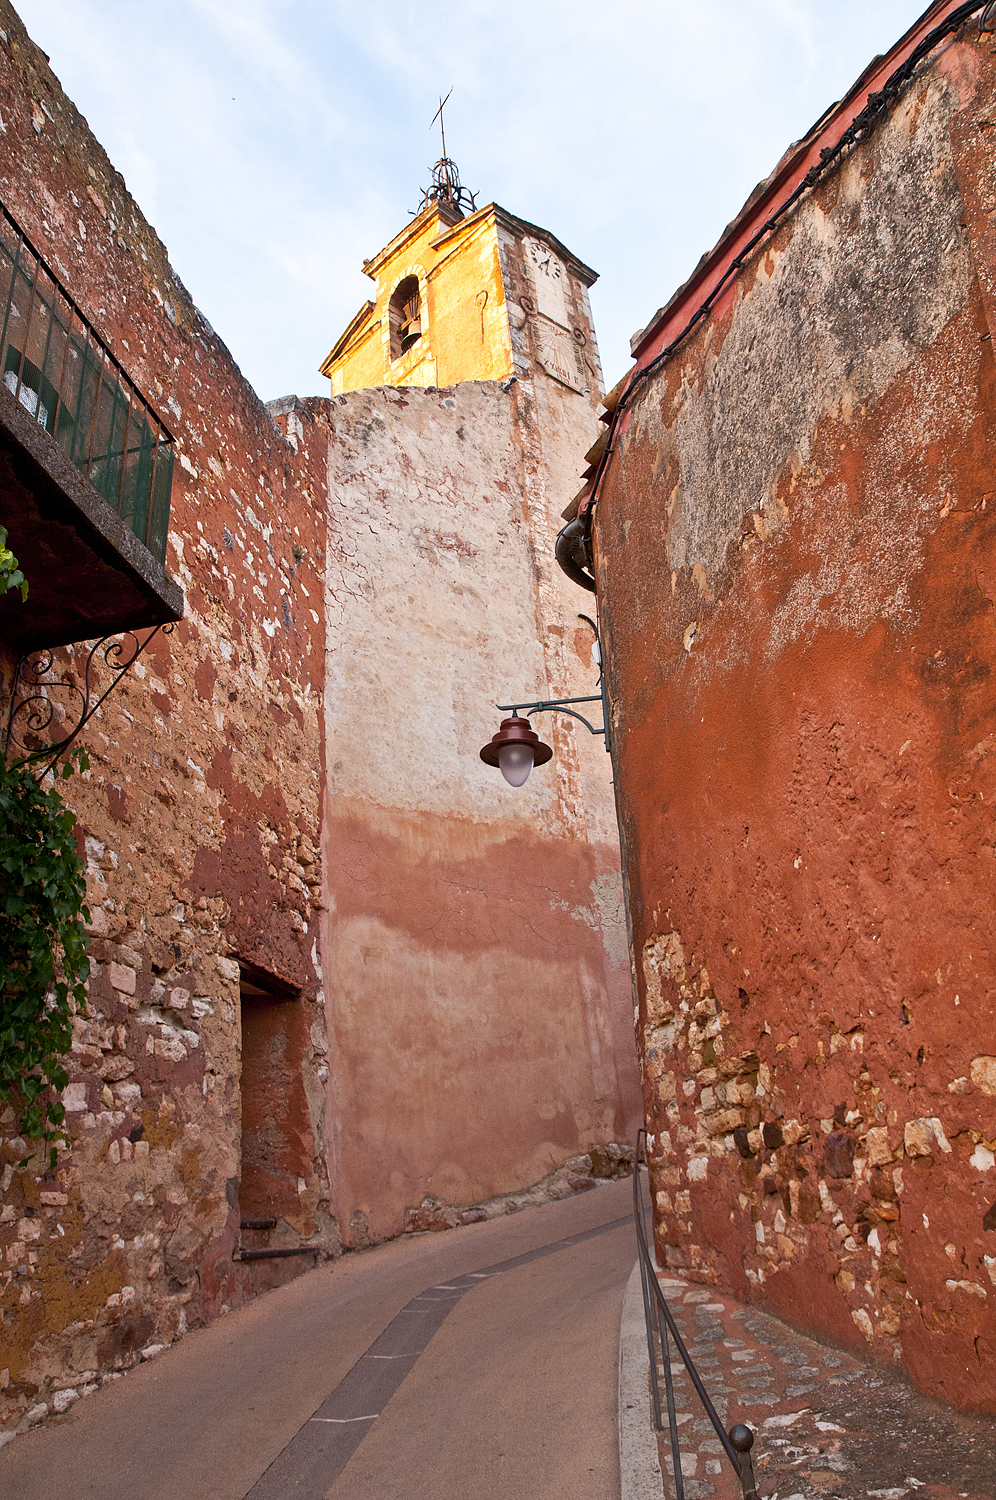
(516, 748)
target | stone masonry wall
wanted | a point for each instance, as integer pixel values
(199, 817)
(795, 550)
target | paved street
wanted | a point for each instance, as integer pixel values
(469, 1376)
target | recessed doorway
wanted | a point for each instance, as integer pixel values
(276, 1126)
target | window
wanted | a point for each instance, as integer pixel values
(405, 314)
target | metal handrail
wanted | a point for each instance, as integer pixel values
(119, 368)
(738, 1442)
(59, 369)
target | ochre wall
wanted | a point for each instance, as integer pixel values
(464, 327)
(796, 548)
(199, 819)
(468, 322)
(479, 996)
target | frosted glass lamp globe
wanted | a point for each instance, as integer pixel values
(515, 763)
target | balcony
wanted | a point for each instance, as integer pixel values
(86, 468)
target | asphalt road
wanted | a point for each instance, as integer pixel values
(425, 1367)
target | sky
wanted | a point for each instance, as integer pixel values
(276, 144)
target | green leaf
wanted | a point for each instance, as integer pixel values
(43, 961)
(11, 576)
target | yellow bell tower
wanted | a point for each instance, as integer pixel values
(467, 293)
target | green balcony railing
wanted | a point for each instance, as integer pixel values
(54, 363)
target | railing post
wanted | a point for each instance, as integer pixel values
(98, 393)
(57, 413)
(27, 331)
(743, 1441)
(736, 1443)
(655, 1326)
(672, 1415)
(14, 272)
(648, 1318)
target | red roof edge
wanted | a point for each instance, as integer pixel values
(668, 322)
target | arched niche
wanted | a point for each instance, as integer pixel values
(405, 314)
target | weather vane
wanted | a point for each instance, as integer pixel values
(439, 116)
(446, 186)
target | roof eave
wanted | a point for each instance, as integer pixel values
(796, 160)
(345, 338)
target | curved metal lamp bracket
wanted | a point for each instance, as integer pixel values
(559, 705)
(562, 705)
(43, 695)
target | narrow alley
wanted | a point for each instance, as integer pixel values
(328, 1030)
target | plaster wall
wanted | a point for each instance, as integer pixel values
(795, 554)
(480, 1016)
(199, 820)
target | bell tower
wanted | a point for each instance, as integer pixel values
(481, 1006)
(467, 293)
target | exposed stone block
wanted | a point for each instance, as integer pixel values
(877, 1146)
(122, 977)
(983, 1073)
(924, 1136)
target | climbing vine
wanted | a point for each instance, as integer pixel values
(43, 961)
(11, 576)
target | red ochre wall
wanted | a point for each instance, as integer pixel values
(473, 1025)
(797, 562)
(199, 819)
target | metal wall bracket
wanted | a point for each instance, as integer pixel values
(57, 699)
(562, 705)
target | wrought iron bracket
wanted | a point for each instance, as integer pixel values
(43, 694)
(562, 705)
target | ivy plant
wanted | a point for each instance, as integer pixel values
(43, 960)
(11, 576)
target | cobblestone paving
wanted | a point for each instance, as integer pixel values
(828, 1426)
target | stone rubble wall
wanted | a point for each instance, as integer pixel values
(795, 551)
(578, 1174)
(199, 819)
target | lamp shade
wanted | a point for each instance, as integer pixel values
(515, 749)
